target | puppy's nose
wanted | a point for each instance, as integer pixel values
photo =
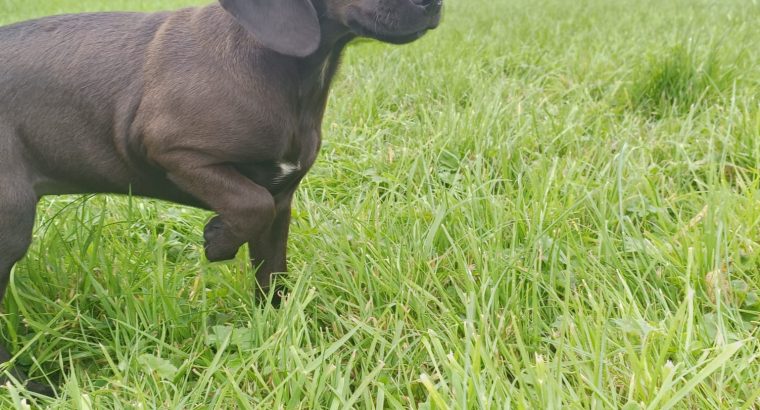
(431, 6)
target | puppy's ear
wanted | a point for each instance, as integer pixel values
(289, 27)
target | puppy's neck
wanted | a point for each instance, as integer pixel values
(334, 39)
(319, 68)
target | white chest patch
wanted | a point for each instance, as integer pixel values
(286, 169)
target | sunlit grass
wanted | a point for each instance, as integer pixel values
(539, 205)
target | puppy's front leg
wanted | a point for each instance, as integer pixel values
(268, 252)
(245, 210)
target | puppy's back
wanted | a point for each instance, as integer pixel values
(68, 85)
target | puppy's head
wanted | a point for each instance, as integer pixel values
(293, 27)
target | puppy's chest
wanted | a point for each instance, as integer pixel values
(284, 171)
(298, 144)
(274, 176)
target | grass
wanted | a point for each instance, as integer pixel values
(540, 205)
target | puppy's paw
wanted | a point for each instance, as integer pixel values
(41, 389)
(276, 298)
(220, 245)
(280, 293)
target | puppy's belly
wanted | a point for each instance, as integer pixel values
(47, 186)
(153, 185)
(276, 177)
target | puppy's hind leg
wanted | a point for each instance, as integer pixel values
(17, 208)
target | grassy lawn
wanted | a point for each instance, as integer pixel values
(541, 204)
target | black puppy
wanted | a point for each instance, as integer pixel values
(218, 107)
